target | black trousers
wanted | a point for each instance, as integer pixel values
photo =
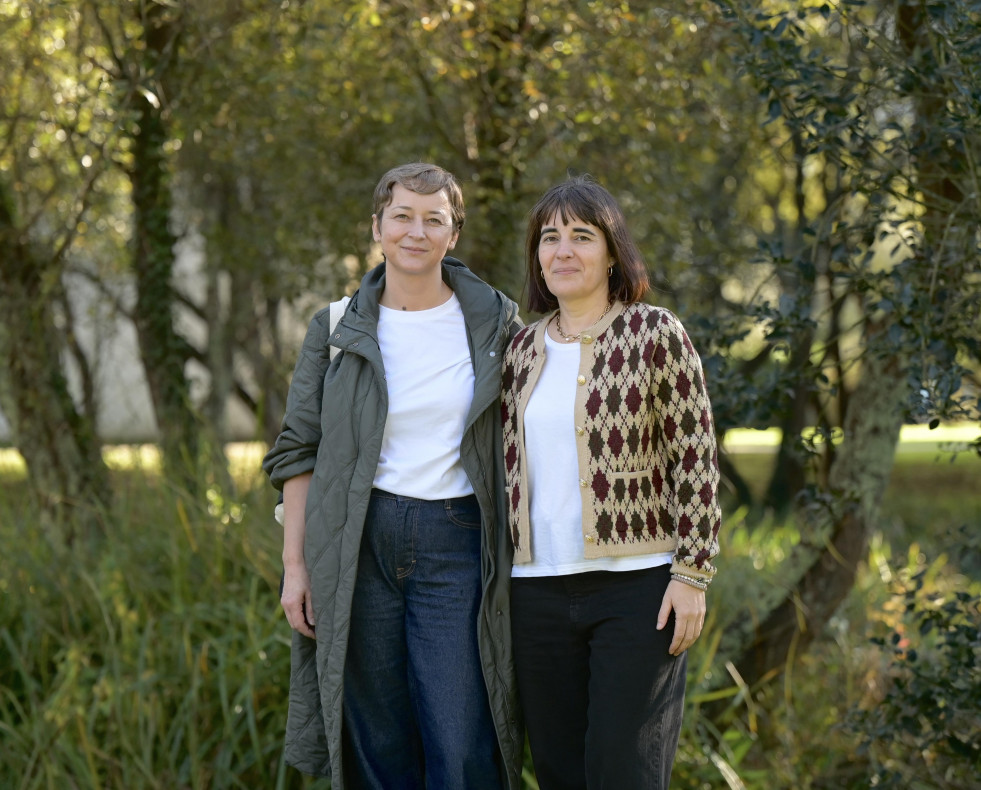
(602, 697)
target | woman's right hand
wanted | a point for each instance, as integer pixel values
(297, 599)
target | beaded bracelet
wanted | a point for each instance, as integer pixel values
(691, 581)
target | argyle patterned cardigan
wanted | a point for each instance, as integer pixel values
(648, 464)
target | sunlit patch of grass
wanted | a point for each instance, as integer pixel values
(12, 466)
(911, 438)
(245, 459)
(132, 457)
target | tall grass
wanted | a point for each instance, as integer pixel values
(157, 656)
(154, 657)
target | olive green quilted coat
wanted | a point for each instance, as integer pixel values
(335, 416)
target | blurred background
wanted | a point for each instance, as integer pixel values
(184, 183)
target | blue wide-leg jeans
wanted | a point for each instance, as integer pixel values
(415, 705)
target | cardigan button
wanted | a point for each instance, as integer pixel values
(581, 379)
(590, 539)
(583, 484)
(580, 431)
(587, 338)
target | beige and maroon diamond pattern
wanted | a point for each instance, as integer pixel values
(653, 472)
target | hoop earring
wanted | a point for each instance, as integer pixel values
(609, 272)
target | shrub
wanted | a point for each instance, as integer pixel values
(925, 731)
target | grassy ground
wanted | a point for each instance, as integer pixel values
(933, 500)
(157, 657)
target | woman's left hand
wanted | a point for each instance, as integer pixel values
(688, 604)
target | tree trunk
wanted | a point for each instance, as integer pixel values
(494, 229)
(499, 140)
(162, 350)
(835, 535)
(789, 473)
(740, 494)
(66, 473)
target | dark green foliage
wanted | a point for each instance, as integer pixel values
(875, 106)
(925, 731)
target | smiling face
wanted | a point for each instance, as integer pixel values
(415, 232)
(575, 260)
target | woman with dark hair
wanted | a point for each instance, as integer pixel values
(395, 549)
(611, 479)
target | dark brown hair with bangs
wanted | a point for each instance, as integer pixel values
(582, 198)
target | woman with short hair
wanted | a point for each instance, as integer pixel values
(395, 552)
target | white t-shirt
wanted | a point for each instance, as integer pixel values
(557, 547)
(430, 381)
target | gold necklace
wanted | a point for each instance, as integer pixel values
(578, 335)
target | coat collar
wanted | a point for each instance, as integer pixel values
(485, 314)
